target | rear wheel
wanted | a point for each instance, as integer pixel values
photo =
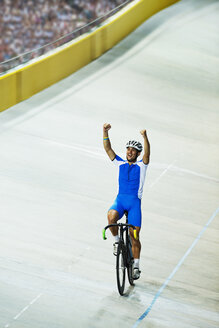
(120, 268)
(130, 263)
(130, 272)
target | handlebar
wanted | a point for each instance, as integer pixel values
(120, 225)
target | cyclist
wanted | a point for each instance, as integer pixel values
(131, 180)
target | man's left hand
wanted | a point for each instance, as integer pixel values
(143, 133)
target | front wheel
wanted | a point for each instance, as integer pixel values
(120, 268)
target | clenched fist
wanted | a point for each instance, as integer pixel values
(143, 133)
(106, 127)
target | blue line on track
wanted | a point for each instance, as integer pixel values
(175, 270)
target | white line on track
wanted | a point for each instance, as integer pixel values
(160, 176)
(97, 152)
(200, 175)
(24, 309)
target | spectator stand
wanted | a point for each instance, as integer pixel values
(31, 29)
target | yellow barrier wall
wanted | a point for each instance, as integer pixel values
(25, 82)
(8, 91)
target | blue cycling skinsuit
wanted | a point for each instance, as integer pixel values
(131, 181)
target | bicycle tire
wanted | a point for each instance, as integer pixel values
(130, 274)
(120, 268)
(130, 262)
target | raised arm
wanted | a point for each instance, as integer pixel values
(106, 142)
(146, 154)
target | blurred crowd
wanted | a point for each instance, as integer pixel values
(26, 25)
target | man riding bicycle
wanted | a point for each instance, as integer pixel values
(131, 180)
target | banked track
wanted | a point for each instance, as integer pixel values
(57, 184)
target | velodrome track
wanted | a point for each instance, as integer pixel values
(57, 184)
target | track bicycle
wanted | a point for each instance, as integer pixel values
(124, 257)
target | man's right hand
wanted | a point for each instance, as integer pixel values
(107, 143)
(106, 127)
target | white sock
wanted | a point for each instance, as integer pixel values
(116, 238)
(136, 263)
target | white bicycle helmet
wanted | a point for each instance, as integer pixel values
(135, 144)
